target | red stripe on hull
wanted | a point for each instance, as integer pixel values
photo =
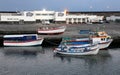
(104, 43)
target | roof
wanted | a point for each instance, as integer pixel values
(9, 11)
(93, 11)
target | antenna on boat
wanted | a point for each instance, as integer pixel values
(103, 27)
(98, 28)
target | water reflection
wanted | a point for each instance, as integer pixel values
(41, 61)
(23, 51)
(102, 56)
(92, 64)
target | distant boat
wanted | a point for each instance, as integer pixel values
(51, 30)
(83, 50)
(85, 31)
(102, 38)
(22, 40)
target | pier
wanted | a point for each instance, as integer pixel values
(113, 29)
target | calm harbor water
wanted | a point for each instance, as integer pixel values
(42, 61)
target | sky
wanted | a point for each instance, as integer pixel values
(60, 5)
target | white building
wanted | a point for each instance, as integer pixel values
(18, 16)
(94, 18)
(60, 16)
(76, 19)
(113, 18)
(42, 16)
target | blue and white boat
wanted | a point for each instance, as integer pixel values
(22, 40)
(83, 50)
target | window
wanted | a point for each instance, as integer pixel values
(44, 14)
(102, 39)
(60, 14)
(38, 14)
(29, 14)
(51, 14)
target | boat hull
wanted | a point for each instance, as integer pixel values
(105, 44)
(93, 51)
(24, 43)
(52, 31)
(86, 53)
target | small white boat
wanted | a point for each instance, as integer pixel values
(22, 40)
(51, 30)
(85, 50)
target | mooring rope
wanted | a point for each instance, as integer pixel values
(51, 42)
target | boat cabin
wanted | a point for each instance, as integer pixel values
(21, 37)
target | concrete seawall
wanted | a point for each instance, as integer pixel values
(71, 31)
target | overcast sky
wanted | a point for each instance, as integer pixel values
(60, 5)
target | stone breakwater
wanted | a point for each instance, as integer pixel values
(72, 30)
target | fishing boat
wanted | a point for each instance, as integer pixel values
(51, 30)
(83, 50)
(102, 38)
(22, 40)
